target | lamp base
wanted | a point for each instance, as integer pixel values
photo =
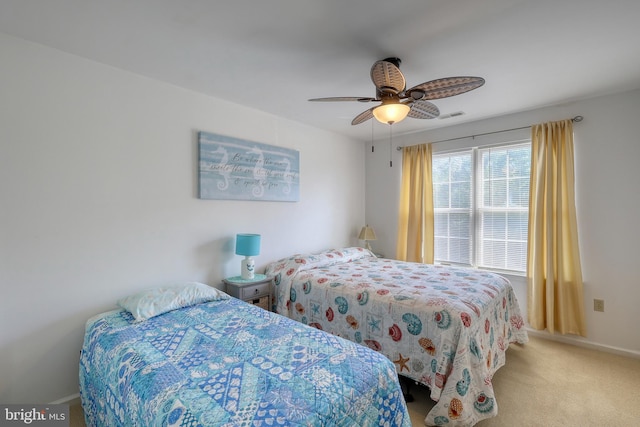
(247, 270)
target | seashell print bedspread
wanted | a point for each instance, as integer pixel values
(444, 327)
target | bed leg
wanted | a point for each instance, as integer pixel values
(405, 385)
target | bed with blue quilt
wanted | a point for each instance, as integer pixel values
(445, 327)
(218, 361)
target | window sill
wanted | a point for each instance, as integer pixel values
(507, 273)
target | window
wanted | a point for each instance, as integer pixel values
(453, 208)
(481, 206)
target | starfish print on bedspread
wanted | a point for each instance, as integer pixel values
(402, 362)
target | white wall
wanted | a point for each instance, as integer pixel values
(607, 152)
(98, 185)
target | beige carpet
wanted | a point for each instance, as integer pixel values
(547, 384)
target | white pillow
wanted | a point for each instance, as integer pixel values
(152, 302)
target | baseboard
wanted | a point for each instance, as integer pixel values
(69, 400)
(583, 342)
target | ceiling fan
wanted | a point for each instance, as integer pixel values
(397, 102)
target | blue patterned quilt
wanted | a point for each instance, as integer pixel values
(228, 363)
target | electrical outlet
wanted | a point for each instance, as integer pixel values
(598, 305)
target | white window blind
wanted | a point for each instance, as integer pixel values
(453, 206)
(503, 207)
(481, 200)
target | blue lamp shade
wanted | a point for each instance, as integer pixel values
(247, 244)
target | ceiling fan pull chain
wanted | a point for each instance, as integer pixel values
(390, 153)
(372, 147)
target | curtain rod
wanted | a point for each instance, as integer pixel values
(575, 119)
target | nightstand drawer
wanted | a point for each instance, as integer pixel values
(263, 302)
(255, 291)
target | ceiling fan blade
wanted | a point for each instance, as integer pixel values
(344, 98)
(387, 76)
(363, 117)
(443, 88)
(423, 110)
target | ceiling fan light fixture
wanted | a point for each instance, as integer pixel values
(398, 102)
(391, 113)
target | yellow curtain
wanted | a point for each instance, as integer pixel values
(415, 224)
(555, 299)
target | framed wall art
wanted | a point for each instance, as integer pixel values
(236, 169)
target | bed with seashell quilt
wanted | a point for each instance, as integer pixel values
(444, 327)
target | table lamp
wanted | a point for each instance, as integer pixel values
(247, 245)
(367, 234)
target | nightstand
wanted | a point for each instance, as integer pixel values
(256, 291)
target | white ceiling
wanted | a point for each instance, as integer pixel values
(274, 55)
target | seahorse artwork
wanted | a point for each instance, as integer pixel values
(223, 170)
(259, 172)
(236, 169)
